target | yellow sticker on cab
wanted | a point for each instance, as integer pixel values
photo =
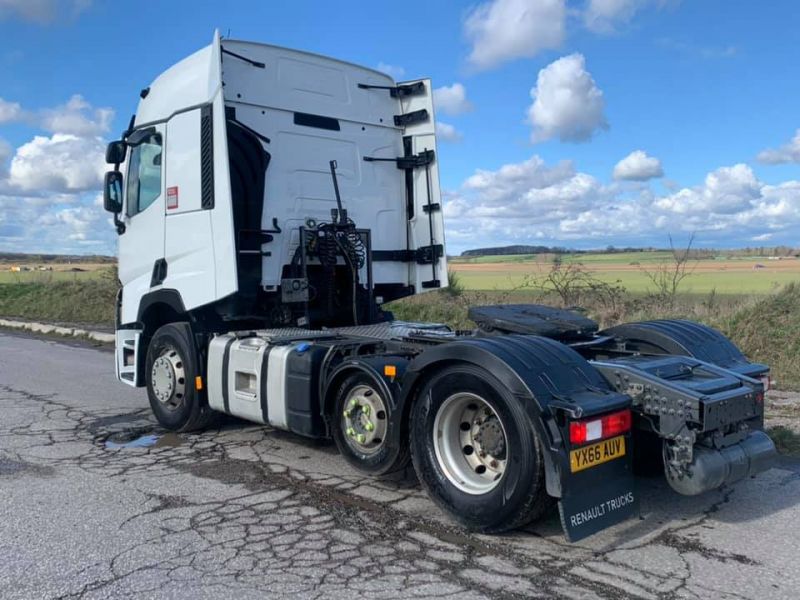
(596, 454)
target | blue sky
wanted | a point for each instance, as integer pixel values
(579, 123)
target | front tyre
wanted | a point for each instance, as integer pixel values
(171, 367)
(476, 451)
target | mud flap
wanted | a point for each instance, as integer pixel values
(598, 497)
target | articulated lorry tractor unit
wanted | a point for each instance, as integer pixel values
(269, 202)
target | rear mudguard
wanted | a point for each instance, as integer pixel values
(686, 338)
(555, 384)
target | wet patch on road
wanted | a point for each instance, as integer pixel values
(11, 467)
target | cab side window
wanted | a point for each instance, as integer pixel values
(144, 174)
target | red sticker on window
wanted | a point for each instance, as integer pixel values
(172, 197)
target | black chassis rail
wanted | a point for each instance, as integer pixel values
(683, 399)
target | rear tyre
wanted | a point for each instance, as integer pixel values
(171, 366)
(476, 451)
(361, 427)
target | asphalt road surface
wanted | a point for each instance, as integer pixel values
(244, 511)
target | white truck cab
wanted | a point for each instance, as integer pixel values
(228, 165)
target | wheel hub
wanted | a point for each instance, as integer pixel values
(168, 379)
(470, 443)
(491, 439)
(364, 420)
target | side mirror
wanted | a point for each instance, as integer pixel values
(112, 192)
(115, 152)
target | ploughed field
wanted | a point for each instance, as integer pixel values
(734, 276)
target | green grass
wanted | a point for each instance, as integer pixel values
(49, 276)
(765, 325)
(786, 441)
(90, 300)
(769, 332)
(621, 258)
(755, 282)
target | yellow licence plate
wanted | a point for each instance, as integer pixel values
(596, 454)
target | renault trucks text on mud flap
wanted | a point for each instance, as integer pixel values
(269, 202)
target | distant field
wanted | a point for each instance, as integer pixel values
(725, 276)
(615, 258)
(60, 272)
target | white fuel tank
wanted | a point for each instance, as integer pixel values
(250, 377)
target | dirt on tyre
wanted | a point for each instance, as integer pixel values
(360, 426)
(476, 451)
(171, 366)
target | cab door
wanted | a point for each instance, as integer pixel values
(426, 226)
(178, 216)
(141, 246)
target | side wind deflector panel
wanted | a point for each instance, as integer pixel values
(426, 225)
(222, 212)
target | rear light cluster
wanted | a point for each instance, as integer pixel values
(600, 428)
(766, 382)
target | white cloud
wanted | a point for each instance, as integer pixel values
(447, 133)
(532, 202)
(452, 99)
(49, 188)
(62, 226)
(9, 111)
(567, 103)
(392, 71)
(503, 30)
(604, 16)
(76, 117)
(42, 12)
(60, 163)
(638, 166)
(5, 153)
(727, 190)
(788, 153)
(505, 183)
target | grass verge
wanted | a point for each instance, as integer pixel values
(79, 302)
(766, 328)
(786, 441)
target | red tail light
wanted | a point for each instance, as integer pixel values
(600, 428)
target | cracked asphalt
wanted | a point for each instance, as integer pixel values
(245, 511)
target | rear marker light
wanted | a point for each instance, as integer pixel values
(601, 428)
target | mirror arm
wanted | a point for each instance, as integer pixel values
(119, 224)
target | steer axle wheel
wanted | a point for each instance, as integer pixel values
(476, 451)
(362, 427)
(169, 379)
(170, 370)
